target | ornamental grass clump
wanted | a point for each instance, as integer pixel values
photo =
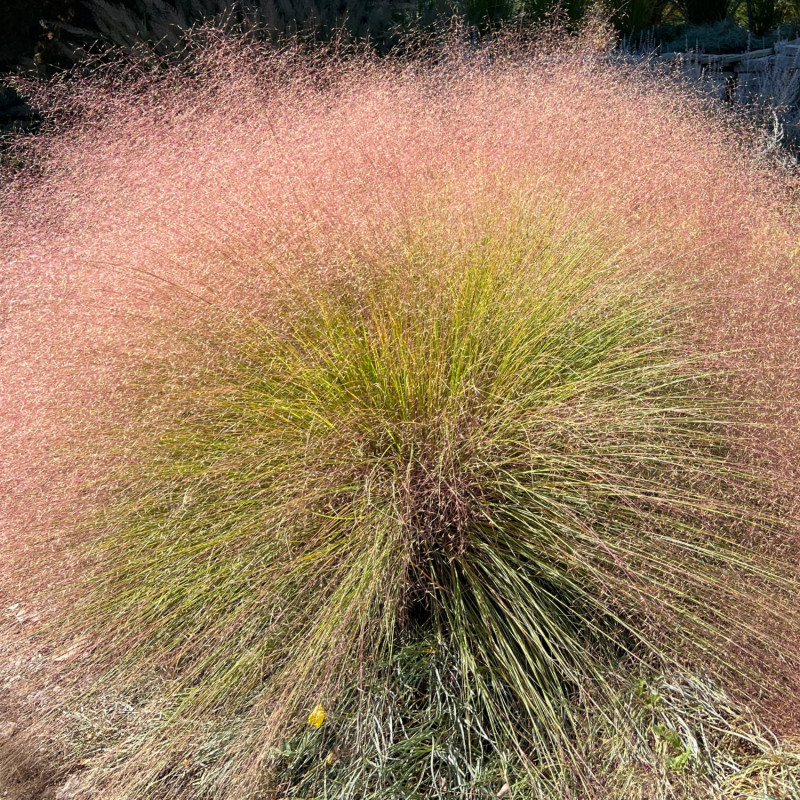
(493, 462)
(369, 428)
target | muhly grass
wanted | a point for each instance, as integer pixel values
(442, 497)
(379, 395)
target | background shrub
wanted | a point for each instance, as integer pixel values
(703, 12)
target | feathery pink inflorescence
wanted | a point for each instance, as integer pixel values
(171, 196)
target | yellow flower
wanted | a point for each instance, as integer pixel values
(317, 716)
